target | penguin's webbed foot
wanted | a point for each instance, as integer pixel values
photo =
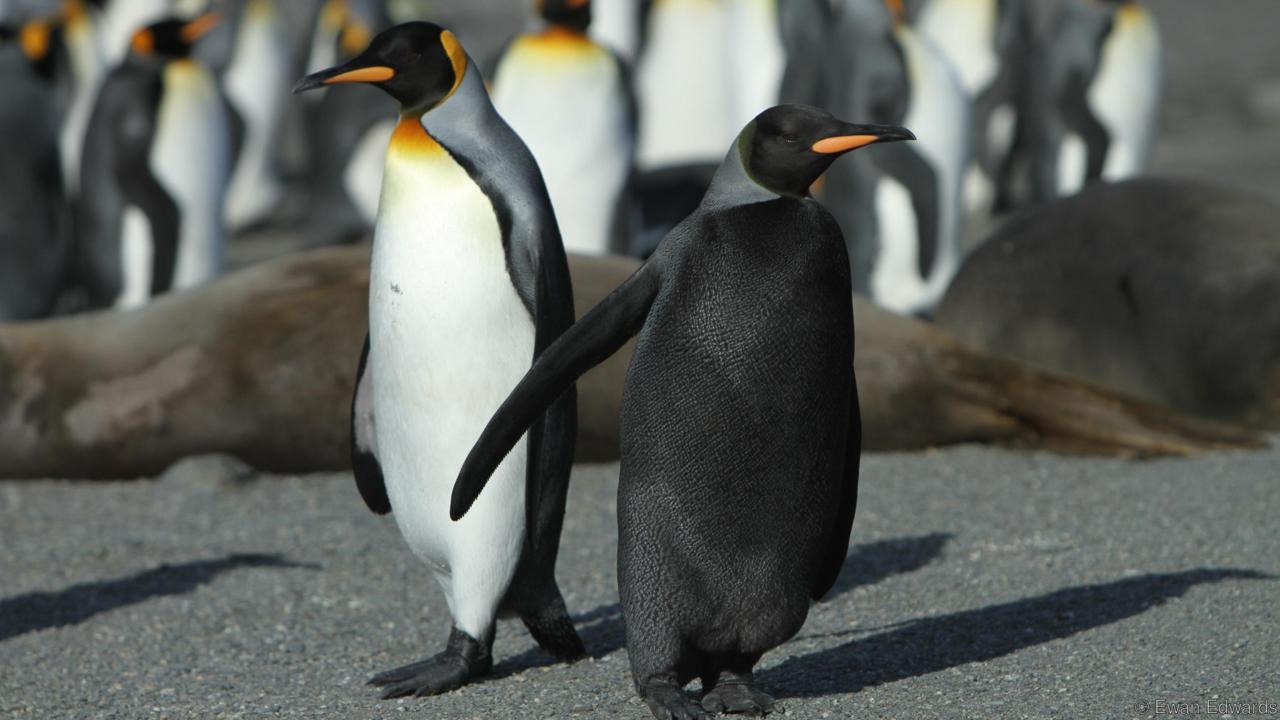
(667, 701)
(742, 699)
(733, 694)
(464, 659)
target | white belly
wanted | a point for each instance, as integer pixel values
(582, 142)
(450, 338)
(1126, 93)
(965, 31)
(680, 82)
(136, 253)
(257, 84)
(87, 67)
(615, 24)
(190, 156)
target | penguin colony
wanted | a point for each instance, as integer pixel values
(687, 131)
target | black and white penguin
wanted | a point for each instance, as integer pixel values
(453, 325)
(740, 429)
(616, 25)
(1085, 76)
(34, 247)
(1122, 92)
(82, 36)
(122, 18)
(681, 85)
(980, 39)
(256, 82)
(157, 159)
(347, 132)
(907, 248)
(584, 141)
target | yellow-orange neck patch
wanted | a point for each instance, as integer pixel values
(457, 58)
(143, 43)
(411, 138)
(34, 39)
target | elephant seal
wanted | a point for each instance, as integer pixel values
(258, 364)
(1166, 290)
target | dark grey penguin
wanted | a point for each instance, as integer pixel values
(33, 240)
(469, 284)
(740, 431)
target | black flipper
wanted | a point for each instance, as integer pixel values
(139, 186)
(1080, 119)
(905, 164)
(583, 346)
(838, 544)
(364, 459)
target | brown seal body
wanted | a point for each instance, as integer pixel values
(261, 365)
(1165, 290)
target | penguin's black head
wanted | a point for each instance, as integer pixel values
(787, 147)
(575, 14)
(418, 63)
(172, 37)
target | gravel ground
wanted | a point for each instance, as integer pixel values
(980, 583)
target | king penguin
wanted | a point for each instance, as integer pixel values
(34, 248)
(980, 39)
(157, 159)
(681, 85)
(740, 427)
(348, 131)
(584, 141)
(900, 205)
(256, 83)
(82, 36)
(1122, 93)
(469, 284)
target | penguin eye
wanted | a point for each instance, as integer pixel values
(790, 138)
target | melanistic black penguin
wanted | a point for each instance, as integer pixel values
(34, 247)
(156, 163)
(585, 140)
(469, 284)
(740, 431)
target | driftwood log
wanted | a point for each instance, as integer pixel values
(260, 365)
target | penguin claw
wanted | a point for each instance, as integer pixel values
(738, 698)
(668, 702)
(442, 673)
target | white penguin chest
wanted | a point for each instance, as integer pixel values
(583, 141)
(450, 338)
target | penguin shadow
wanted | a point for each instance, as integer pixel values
(928, 645)
(42, 610)
(602, 633)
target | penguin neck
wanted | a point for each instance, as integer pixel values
(466, 109)
(733, 185)
(564, 31)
